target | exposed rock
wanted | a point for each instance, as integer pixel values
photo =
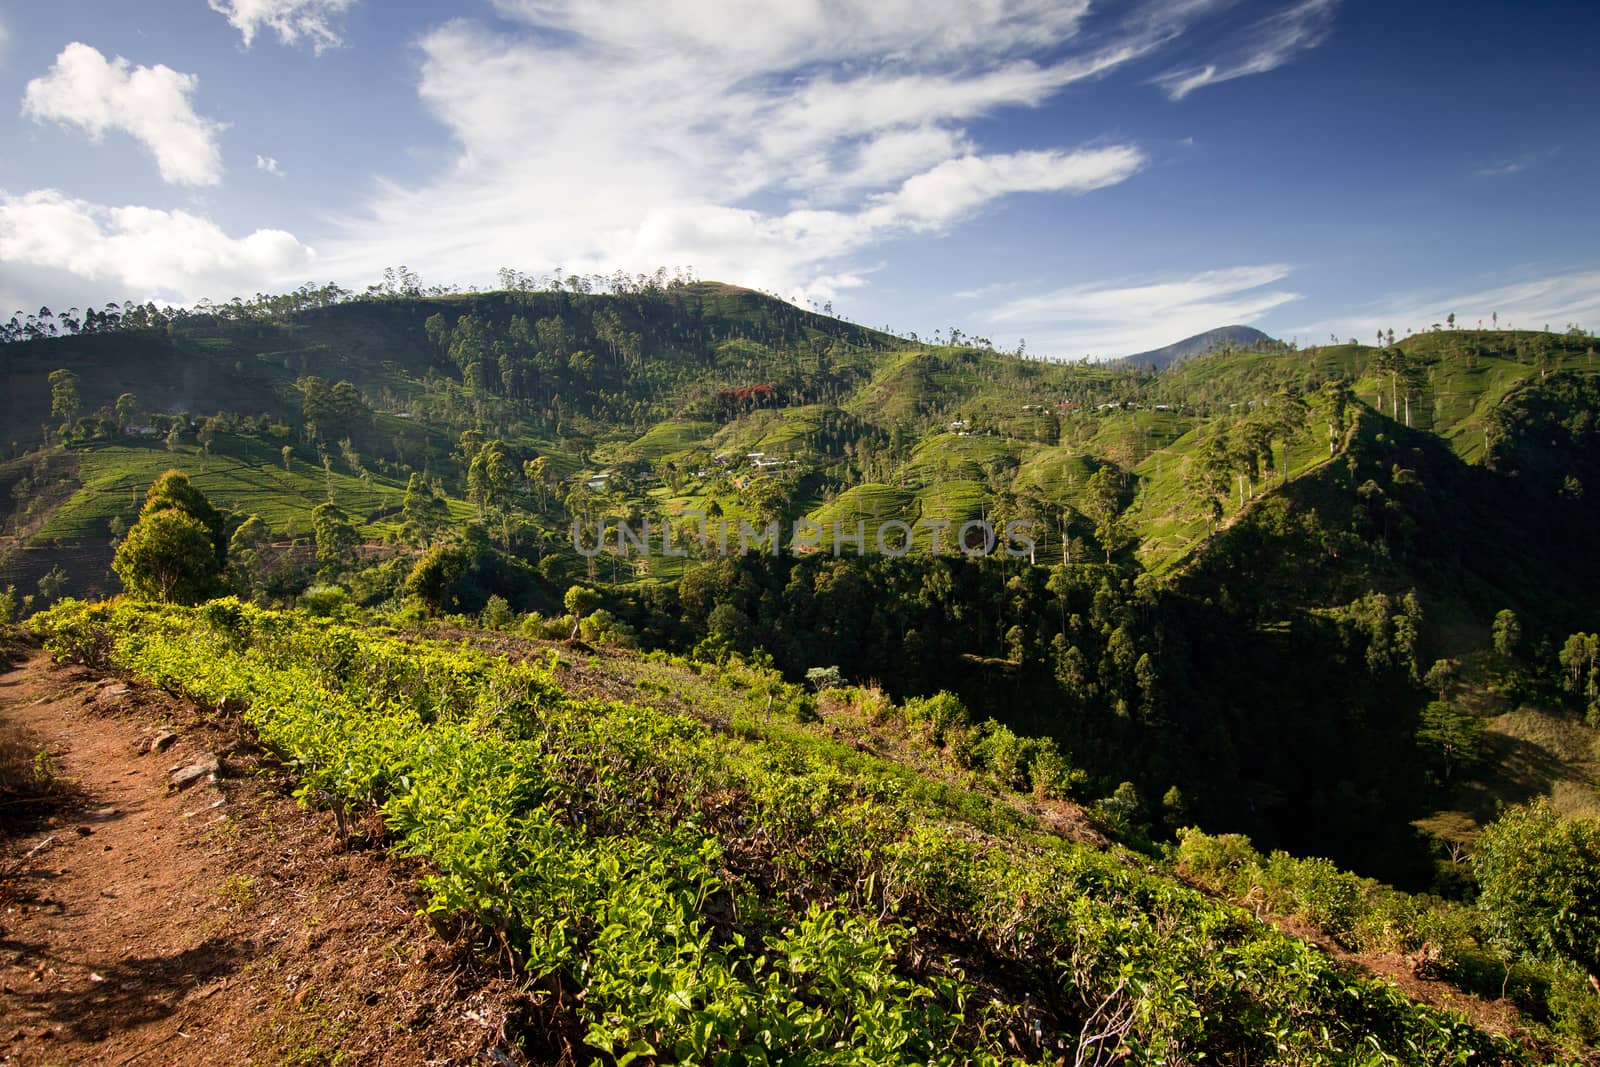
(188, 776)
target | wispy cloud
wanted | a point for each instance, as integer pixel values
(154, 105)
(1265, 46)
(1504, 168)
(786, 146)
(769, 144)
(1120, 320)
(983, 291)
(313, 21)
(1554, 300)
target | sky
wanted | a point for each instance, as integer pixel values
(1092, 179)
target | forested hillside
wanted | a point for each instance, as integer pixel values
(1340, 600)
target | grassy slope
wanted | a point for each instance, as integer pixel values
(241, 474)
(803, 814)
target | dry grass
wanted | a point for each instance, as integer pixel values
(27, 772)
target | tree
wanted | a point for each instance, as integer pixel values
(1336, 398)
(173, 491)
(423, 511)
(497, 614)
(490, 475)
(730, 626)
(822, 678)
(1539, 884)
(1507, 633)
(244, 549)
(1174, 808)
(64, 396)
(127, 407)
(52, 583)
(435, 573)
(768, 497)
(1454, 736)
(1441, 674)
(168, 555)
(336, 535)
(1105, 507)
(536, 471)
(580, 601)
(1578, 656)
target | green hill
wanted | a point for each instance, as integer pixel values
(1261, 593)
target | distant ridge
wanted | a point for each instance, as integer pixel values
(1200, 344)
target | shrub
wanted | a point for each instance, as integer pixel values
(935, 715)
(545, 629)
(600, 627)
(1003, 753)
(873, 704)
(1051, 774)
(325, 601)
(822, 678)
(497, 614)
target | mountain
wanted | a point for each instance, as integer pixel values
(1211, 341)
(1266, 592)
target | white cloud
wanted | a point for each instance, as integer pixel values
(1504, 168)
(1554, 300)
(151, 104)
(142, 252)
(269, 165)
(758, 35)
(1267, 45)
(981, 291)
(1107, 320)
(292, 20)
(767, 144)
(1501, 170)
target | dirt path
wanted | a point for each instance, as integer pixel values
(141, 922)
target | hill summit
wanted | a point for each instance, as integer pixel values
(1200, 344)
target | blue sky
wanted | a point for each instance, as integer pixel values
(1095, 178)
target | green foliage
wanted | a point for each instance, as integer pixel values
(936, 715)
(424, 511)
(64, 402)
(1359, 913)
(335, 535)
(1453, 736)
(1539, 881)
(824, 678)
(605, 844)
(460, 575)
(1051, 774)
(1506, 634)
(1105, 506)
(497, 614)
(730, 627)
(600, 627)
(174, 492)
(325, 601)
(168, 555)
